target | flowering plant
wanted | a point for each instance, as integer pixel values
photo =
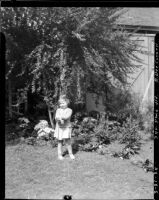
(24, 122)
(23, 119)
(43, 129)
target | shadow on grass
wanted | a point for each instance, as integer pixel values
(75, 146)
(75, 149)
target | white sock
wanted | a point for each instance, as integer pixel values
(60, 157)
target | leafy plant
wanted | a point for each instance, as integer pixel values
(129, 132)
(95, 114)
(148, 166)
(148, 119)
(89, 147)
(102, 133)
(43, 130)
(21, 128)
(127, 152)
(30, 140)
(85, 127)
(102, 150)
(94, 133)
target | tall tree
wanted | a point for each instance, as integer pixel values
(77, 50)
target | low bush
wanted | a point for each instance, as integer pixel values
(31, 133)
(105, 130)
(10, 131)
(127, 152)
(94, 114)
(89, 132)
(79, 116)
(148, 119)
(129, 132)
(21, 128)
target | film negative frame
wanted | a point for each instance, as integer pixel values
(156, 78)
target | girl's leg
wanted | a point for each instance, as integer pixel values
(59, 150)
(69, 148)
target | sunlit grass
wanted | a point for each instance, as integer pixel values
(35, 172)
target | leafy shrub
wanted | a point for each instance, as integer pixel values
(105, 130)
(144, 120)
(30, 141)
(10, 132)
(79, 116)
(128, 107)
(91, 134)
(114, 131)
(90, 147)
(127, 152)
(95, 114)
(102, 150)
(102, 133)
(39, 134)
(25, 130)
(148, 119)
(129, 132)
(83, 133)
(21, 128)
(84, 128)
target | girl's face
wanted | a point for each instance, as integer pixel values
(63, 104)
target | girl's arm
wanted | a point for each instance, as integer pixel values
(67, 114)
(57, 115)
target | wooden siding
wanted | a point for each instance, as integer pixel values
(139, 79)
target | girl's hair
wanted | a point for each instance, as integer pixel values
(63, 98)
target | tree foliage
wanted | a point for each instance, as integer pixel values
(68, 50)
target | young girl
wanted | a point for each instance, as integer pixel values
(63, 126)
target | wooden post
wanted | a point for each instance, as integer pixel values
(50, 117)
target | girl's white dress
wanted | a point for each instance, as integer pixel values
(63, 131)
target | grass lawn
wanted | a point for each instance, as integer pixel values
(33, 172)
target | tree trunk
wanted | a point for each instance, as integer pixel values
(50, 117)
(10, 98)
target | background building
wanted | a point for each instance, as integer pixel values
(146, 22)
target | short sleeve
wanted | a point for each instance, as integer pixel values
(67, 114)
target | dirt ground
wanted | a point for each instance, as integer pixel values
(35, 173)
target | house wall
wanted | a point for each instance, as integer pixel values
(139, 79)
